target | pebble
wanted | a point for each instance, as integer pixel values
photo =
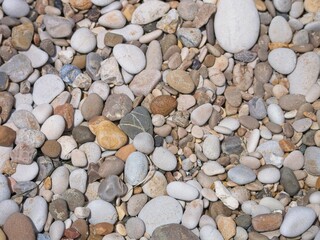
(131, 32)
(112, 19)
(283, 60)
(279, 30)
(53, 127)
(267, 222)
(135, 228)
(190, 37)
(15, 8)
(289, 181)
(192, 214)
(302, 215)
(144, 143)
(136, 203)
(56, 230)
(130, 58)
(225, 196)
(58, 27)
(19, 227)
(212, 168)
(268, 174)
(46, 88)
(7, 136)
(209, 232)
(180, 81)
(7, 208)
(275, 114)
(117, 106)
(111, 188)
(173, 231)
(156, 186)
(182, 191)
(136, 168)
(145, 81)
(149, 12)
(37, 210)
(257, 108)
(26, 172)
(307, 67)
(163, 105)
(160, 211)
(242, 174)
(211, 147)
(60, 180)
(102, 211)
(111, 166)
(228, 30)
(83, 40)
(37, 57)
(201, 114)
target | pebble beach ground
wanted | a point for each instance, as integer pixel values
(161, 120)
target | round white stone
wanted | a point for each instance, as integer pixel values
(269, 174)
(136, 168)
(297, 221)
(182, 191)
(236, 25)
(130, 57)
(15, 8)
(102, 211)
(275, 114)
(192, 214)
(271, 203)
(144, 142)
(283, 60)
(53, 127)
(279, 30)
(26, 172)
(230, 123)
(46, 88)
(37, 210)
(67, 145)
(305, 74)
(7, 208)
(78, 180)
(149, 11)
(42, 112)
(212, 168)
(313, 93)
(211, 147)
(160, 211)
(164, 159)
(60, 180)
(83, 40)
(37, 56)
(315, 197)
(130, 32)
(113, 19)
(56, 230)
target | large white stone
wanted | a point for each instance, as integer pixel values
(283, 60)
(130, 57)
(182, 191)
(160, 211)
(102, 211)
(305, 74)
(15, 8)
(37, 210)
(37, 56)
(53, 127)
(236, 25)
(83, 40)
(149, 11)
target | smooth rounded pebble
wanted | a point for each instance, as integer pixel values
(241, 174)
(144, 142)
(53, 127)
(136, 168)
(182, 191)
(160, 211)
(37, 210)
(211, 147)
(164, 159)
(102, 211)
(7, 207)
(26, 172)
(283, 60)
(236, 25)
(275, 114)
(83, 40)
(15, 8)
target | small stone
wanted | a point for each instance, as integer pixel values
(275, 114)
(149, 12)
(102, 211)
(22, 36)
(15, 8)
(297, 221)
(30, 137)
(69, 73)
(311, 156)
(74, 198)
(212, 168)
(67, 112)
(311, 6)
(267, 222)
(279, 30)
(7, 207)
(112, 19)
(111, 166)
(7, 136)
(160, 211)
(241, 174)
(135, 228)
(190, 37)
(164, 159)
(4, 188)
(58, 209)
(81, 5)
(156, 185)
(144, 143)
(182, 191)
(83, 40)
(130, 57)
(51, 148)
(257, 108)
(201, 114)
(283, 60)
(112, 39)
(233, 96)
(37, 57)
(180, 81)
(92, 106)
(117, 106)
(136, 203)
(225, 196)
(111, 188)
(163, 105)
(37, 210)
(226, 226)
(138, 120)
(136, 168)
(58, 27)
(211, 147)
(109, 136)
(289, 181)
(23, 154)
(144, 82)
(268, 174)
(82, 134)
(19, 227)
(60, 180)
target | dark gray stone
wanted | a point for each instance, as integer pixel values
(257, 108)
(111, 188)
(173, 232)
(232, 145)
(289, 181)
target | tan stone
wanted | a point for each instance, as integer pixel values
(109, 136)
(312, 6)
(7, 136)
(286, 145)
(81, 4)
(22, 36)
(103, 228)
(163, 105)
(128, 11)
(226, 226)
(79, 61)
(67, 112)
(181, 81)
(124, 152)
(267, 222)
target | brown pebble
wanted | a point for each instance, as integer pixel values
(19, 227)
(102, 229)
(71, 233)
(163, 105)
(51, 148)
(286, 145)
(112, 39)
(67, 112)
(267, 222)
(82, 227)
(7, 136)
(125, 151)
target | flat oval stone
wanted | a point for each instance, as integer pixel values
(173, 232)
(58, 27)
(241, 174)
(279, 30)
(112, 19)
(212, 168)
(192, 214)
(160, 211)
(144, 143)
(283, 60)
(275, 114)
(182, 191)
(305, 74)
(46, 88)
(201, 114)
(211, 147)
(312, 160)
(60, 180)
(149, 12)
(18, 226)
(236, 25)
(83, 40)
(15, 8)
(25, 119)
(164, 159)
(102, 211)
(111, 188)
(268, 174)
(53, 127)
(181, 81)
(26, 172)
(136, 168)
(37, 57)
(130, 57)
(144, 82)
(297, 221)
